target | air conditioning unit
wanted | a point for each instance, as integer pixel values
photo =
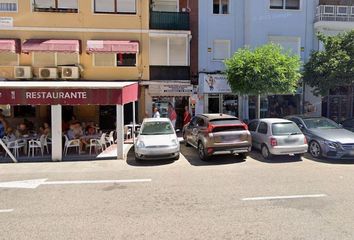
(23, 72)
(69, 72)
(48, 73)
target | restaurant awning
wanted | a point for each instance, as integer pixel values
(10, 45)
(51, 45)
(112, 46)
(68, 93)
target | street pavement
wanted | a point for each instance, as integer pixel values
(225, 198)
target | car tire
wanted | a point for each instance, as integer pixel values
(201, 152)
(265, 152)
(315, 149)
(242, 155)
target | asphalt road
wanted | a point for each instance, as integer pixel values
(186, 199)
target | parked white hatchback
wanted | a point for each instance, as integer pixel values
(276, 136)
(157, 139)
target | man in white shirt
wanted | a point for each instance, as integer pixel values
(156, 113)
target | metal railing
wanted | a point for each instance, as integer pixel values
(169, 20)
(337, 13)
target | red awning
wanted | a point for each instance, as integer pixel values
(112, 46)
(51, 45)
(10, 45)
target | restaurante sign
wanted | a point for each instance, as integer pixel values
(59, 96)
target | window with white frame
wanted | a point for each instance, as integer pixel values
(114, 59)
(55, 6)
(221, 6)
(8, 5)
(115, 6)
(221, 49)
(292, 44)
(53, 59)
(285, 4)
(169, 51)
(8, 59)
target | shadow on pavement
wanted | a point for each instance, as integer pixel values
(329, 160)
(191, 155)
(256, 155)
(148, 163)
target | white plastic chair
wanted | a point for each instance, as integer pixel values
(14, 146)
(75, 143)
(99, 143)
(34, 145)
(127, 132)
(110, 138)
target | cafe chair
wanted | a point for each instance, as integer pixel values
(110, 138)
(127, 132)
(75, 143)
(34, 145)
(14, 146)
(98, 143)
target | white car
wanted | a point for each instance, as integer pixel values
(157, 139)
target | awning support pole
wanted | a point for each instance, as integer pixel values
(57, 145)
(133, 132)
(120, 132)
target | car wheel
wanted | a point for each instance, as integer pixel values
(315, 149)
(201, 151)
(265, 152)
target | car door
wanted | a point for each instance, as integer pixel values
(189, 130)
(252, 127)
(262, 136)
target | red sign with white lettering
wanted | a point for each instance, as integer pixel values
(60, 96)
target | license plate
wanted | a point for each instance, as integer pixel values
(230, 138)
(351, 152)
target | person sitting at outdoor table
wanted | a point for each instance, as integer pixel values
(90, 133)
(21, 130)
(45, 130)
(10, 134)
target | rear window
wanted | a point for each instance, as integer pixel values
(225, 121)
(228, 128)
(285, 128)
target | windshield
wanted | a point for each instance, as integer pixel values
(285, 128)
(320, 123)
(156, 128)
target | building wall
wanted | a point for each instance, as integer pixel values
(84, 25)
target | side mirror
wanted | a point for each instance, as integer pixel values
(178, 130)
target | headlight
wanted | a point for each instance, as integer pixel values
(140, 144)
(173, 142)
(332, 144)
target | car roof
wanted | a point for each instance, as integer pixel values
(272, 120)
(212, 116)
(156, 120)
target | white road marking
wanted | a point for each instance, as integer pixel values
(34, 183)
(284, 197)
(6, 210)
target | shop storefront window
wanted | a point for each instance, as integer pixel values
(230, 105)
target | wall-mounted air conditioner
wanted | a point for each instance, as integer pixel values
(69, 72)
(23, 72)
(48, 73)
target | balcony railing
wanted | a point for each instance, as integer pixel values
(169, 20)
(337, 13)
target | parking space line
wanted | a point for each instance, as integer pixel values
(6, 210)
(283, 197)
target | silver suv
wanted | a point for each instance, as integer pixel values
(217, 134)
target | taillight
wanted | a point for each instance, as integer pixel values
(210, 128)
(273, 142)
(305, 140)
(245, 126)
